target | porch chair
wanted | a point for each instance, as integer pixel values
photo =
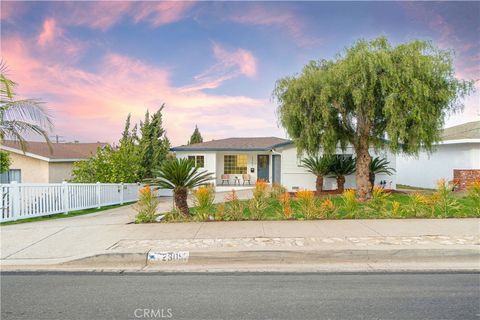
(225, 178)
(246, 178)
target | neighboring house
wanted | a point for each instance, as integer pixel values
(459, 151)
(38, 165)
(267, 158)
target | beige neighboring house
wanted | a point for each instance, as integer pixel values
(38, 165)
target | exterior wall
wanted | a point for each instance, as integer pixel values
(424, 170)
(209, 157)
(59, 171)
(32, 170)
(296, 177)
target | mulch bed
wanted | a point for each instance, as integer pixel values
(336, 191)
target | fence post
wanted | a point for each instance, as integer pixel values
(14, 200)
(99, 199)
(66, 202)
(121, 193)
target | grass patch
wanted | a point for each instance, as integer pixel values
(61, 215)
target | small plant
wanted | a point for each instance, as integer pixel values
(417, 205)
(203, 199)
(146, 206)
(286, 208)
(350, 203)
(327, 207)
(395, 213)
(378, 204)
(306, 201)
(174, 216)
(233, 207)
(444, 204)
(473, 196)
(277, 190)
(258, 204)
(220, 212)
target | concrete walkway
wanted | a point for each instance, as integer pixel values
(111, 232)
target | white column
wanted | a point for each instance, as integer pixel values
(66, 204)
(14, 200)
(99, 199)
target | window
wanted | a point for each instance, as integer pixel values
(235, 164)
(11, 175)
(199, 161)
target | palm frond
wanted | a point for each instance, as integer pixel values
(319, 166)
(381, 166)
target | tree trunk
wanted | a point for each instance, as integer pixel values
(319, 184)
(363, 170)
(181, 201)
(341, 183)
(372, 180)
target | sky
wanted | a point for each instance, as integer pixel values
(213, 64)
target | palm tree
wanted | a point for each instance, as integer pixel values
(20, 118)
(180, 175)
(319, 166)
(379, 166)
(341, 167)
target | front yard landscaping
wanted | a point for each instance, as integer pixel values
(273, 203)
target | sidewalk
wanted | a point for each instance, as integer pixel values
(108, 241)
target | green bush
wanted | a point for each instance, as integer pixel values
(146, 206)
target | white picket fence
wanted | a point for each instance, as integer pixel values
(27, 200)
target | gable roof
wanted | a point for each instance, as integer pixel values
(469, 130)
(61, 152)
(236, 144)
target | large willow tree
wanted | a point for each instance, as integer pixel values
(373, 95)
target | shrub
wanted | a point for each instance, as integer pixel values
(220, 212)
(327, 207)
(378, 204)
(174, 215)
(258, 204)
(306, 201)
(443, 202)
(350, 203)
(285, 203)
(473, 196)
(396, 209)
(277, 190)
(233, 207)
(417, 205)
(203, 200)
(146, 206)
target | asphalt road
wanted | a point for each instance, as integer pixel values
(240, 296)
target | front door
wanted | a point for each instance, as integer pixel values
(263, 167)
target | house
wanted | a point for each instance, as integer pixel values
(40, 165)
(272, 159)
(457, 157)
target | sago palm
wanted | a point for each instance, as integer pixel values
(379, 166)
(180, 175)
(341, 167)
(23, 118)
(319, 166)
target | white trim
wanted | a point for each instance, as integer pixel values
(458, 141)
(36, 156)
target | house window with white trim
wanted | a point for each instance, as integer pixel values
(11, 175)
(235, 164)
(198, 161)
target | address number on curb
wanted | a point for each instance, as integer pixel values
(167, 256)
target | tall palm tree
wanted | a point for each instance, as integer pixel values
(319, 166)
(379, 166)
(20, 118)
(180, 175)
(341, 167)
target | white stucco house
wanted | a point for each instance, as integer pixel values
(459, 150)
(235, 161)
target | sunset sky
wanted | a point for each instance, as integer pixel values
(213, 64)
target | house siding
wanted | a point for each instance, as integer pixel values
(424, 170)
(32, 170)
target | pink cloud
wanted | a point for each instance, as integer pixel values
(161, 13)
(49, 32)
(230, 64)
(265, 15)
(92, 105)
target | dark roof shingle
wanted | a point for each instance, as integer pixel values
(236, 144)
(65, 151)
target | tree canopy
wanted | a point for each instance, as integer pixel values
(371, 95)
(196, 136)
